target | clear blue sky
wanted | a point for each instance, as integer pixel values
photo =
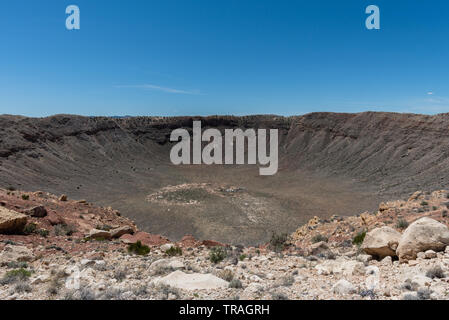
(204, 57)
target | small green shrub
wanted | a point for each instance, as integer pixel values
(43, 233)
(424, 203)
(217, 254)
(30, 228)
(402, 224)
(318, 238)
(359, 237)
(174, 251)
(242, 257)
(278, 242)
(434, 208)
(138, 248)
(14, 276)
(11, 188)
(25, 197)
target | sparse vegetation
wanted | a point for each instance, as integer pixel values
(17, 265)
(235, 284)
(14, 276)
(434, 208)
(43, 233)
(25, 197)
(226, 275)
(278, 242)
(424, 203)
(435, 272)
(22, 286)
(217, 254)
(174, 251)
(64, 229)
(138, 248)
(318, 238)
(120, 275)
(402, 224)
(287, 281)
(242, 257)
(359, 237)
(30, 228)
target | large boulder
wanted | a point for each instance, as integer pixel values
(37, 211)
(118, 232)
(11, 221)
(381, 242)
(99, 234)
(422, 235)
(192, 281)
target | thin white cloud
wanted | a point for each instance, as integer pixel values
(430, 93)
(159, 88)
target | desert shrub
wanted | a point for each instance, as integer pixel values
(43, 233)
(226, 275)
(14, 276)
(444, 214)
(25, 197)
(138, 248)
(30, 228)
(402, 224)
(235, 284)
(87, 294)
(424, 203)
(22, 286)
(17, 265)
(359, 237)
(217, 254)
(64, 229)
(242, 257)
(278, 241)
(11, 188)
(120, 275)
(318, 238)
(435, 272)
(423, 293)
(287, 281)
(166, 290)
(174, 251)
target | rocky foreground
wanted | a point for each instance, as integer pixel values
(57, 248)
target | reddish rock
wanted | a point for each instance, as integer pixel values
(189, 241)
(144, 238)
(37, 211)
(211, 243)
(54, 218)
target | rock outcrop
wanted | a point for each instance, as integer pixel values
(11, 221)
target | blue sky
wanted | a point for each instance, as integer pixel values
(202, 57)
